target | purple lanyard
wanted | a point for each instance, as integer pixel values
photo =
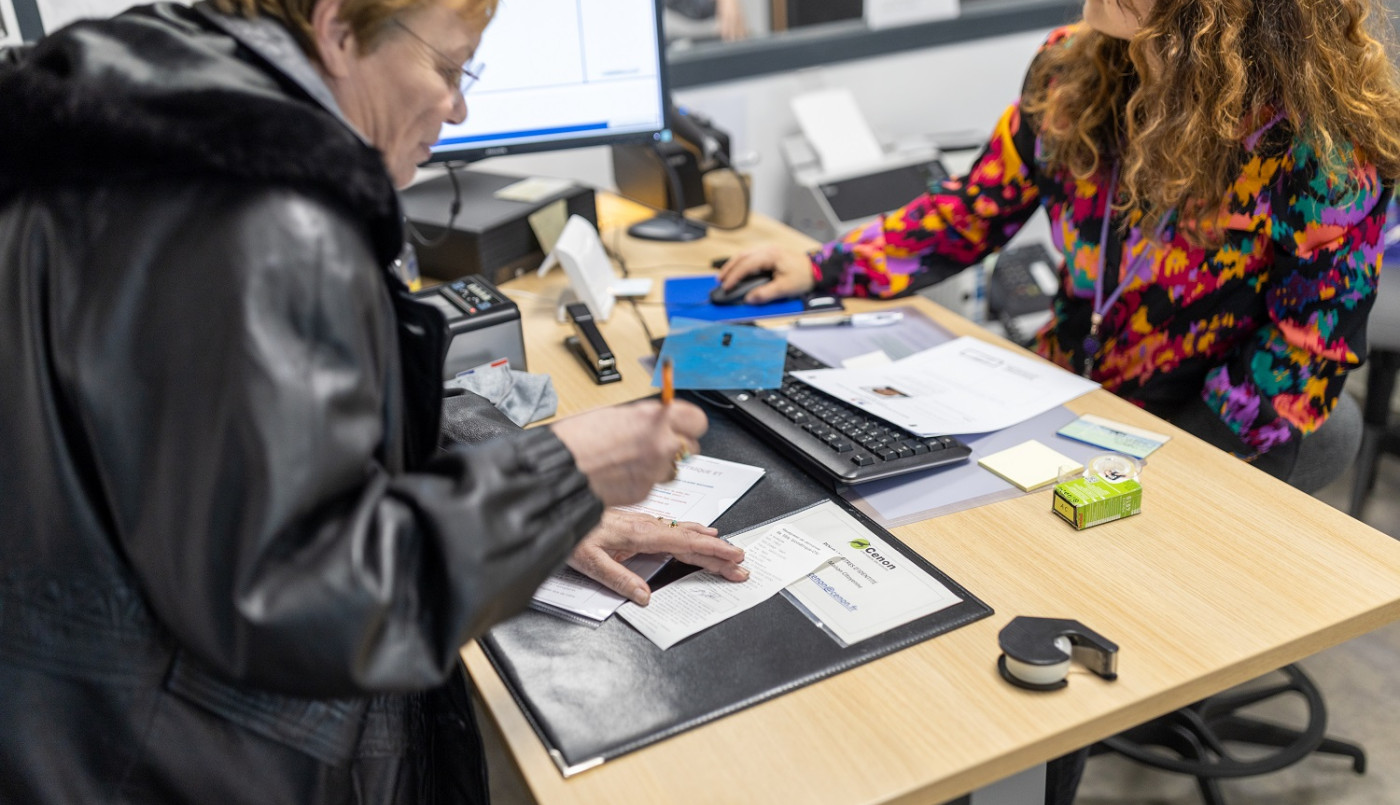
(1135, 271)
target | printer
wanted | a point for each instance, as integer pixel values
(825, 203)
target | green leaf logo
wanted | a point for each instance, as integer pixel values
(860, 544)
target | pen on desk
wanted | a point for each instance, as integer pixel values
(878, 319)
(668, 381)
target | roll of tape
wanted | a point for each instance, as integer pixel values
(1041, 674)
(1114, 467)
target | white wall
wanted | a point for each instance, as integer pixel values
(944, 89)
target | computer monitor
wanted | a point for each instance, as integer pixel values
(564, 74)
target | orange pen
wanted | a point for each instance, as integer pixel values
(668, 381)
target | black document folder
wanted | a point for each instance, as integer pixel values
(595, 694)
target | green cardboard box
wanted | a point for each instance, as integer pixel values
(1086, 502)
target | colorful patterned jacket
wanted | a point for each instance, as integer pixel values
(1261, 330)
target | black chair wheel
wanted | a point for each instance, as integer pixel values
(1196, 739)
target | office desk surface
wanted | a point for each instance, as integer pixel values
(1225, 575)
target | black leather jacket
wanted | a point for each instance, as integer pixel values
(234, 566)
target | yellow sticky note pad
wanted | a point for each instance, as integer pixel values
(548, 223)
(1030, 465)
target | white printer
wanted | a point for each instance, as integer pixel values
(825, 203)
(842, 175)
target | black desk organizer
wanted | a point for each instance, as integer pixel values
(594, 694)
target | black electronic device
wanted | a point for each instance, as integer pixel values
(836, 442)
(733, 296)
(600, 81)
(668, 176)
(483, 324)
(488, 236)
(698, 147)
(589, 347)
(641, 175)
(1023, 281)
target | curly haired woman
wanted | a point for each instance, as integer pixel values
(1229, 162)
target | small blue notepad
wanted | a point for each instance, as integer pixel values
(689, 297)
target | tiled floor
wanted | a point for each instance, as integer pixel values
(1360, 682)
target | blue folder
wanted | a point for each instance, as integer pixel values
(689, 297)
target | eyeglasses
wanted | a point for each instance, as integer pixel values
(459, 78)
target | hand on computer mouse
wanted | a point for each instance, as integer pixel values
(736, 293)
(790, 271)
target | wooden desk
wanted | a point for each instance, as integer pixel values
(1226, 574)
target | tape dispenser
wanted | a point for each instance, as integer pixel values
(1036, 652)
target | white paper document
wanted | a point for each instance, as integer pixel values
(703, 490)
(871, 588)
(963, 386)
(782, 554)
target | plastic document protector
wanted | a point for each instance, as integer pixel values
(709, 355)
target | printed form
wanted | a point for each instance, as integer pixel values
(846, 578)
(703, 490)
(781, 555)
(964, 386)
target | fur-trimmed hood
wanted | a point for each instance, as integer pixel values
(160, 92)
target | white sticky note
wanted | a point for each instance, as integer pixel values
(1030, 465)
(548, 223)
(876, 358)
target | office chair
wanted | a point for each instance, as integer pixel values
(1205, 739)
(1213, 739)
(1382, 366)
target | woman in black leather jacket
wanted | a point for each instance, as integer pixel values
(234, 564)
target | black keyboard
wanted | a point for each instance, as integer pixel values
(832, 439)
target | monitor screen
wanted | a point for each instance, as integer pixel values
(562, 74)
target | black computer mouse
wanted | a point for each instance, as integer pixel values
(735, 295)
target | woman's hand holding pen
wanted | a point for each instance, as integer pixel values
(625, 450)
(792, 273)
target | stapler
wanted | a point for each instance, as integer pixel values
(589, 347)
(1036, 652)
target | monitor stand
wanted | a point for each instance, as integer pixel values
(669, 226)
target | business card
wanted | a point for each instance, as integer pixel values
(1115, 436)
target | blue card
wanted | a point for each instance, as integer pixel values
(710, 355)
